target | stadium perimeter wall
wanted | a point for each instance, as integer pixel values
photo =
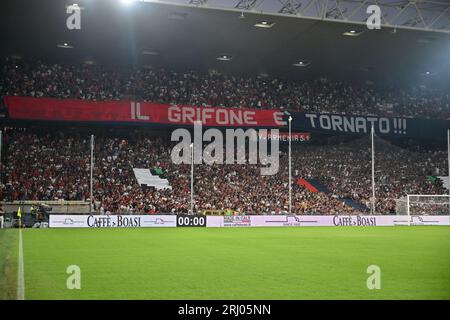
(142, 221)
(62, 207)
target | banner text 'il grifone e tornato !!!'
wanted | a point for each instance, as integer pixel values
(149, 113)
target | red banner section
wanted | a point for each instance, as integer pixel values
(307, 185)
(47, 109)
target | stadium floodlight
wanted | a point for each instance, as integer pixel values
(352, 33)
(264, 24)
(64, 45)
(302, 63)
(224, 57)
(126, 2)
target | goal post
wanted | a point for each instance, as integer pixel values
(423, 204)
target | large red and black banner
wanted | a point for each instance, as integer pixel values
(49, 109)
(432, 129)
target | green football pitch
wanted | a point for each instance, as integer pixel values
(229, 263)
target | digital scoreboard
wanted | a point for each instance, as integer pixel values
(196, 220)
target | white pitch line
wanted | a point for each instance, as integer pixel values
(20, 273)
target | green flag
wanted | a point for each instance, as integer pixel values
(431, 179)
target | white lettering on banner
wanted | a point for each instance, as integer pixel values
(325, 124)
(222, 117)
(355, 124)
(372, 122)
(337, 122)
(312, 118)
(349, 124)
(278, 118)
(384, 125)
(136, 112)
(173, 114)
(207, 114)
(188, 115)
(249, 117)
(226, 117)
(360, 124)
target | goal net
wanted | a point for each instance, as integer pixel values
(424, 205)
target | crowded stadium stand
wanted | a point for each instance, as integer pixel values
(224, 154)
(46, 155)
(87, 82)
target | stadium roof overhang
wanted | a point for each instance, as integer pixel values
(187, 36)
(422, 15)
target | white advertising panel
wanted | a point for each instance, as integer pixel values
(111, 221)
(430, 220)
(324, 220)
(291, 221)
(228, 221)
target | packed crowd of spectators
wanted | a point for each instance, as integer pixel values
(50, 164)
(53, 164)
(90, 82)
(346, 168)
